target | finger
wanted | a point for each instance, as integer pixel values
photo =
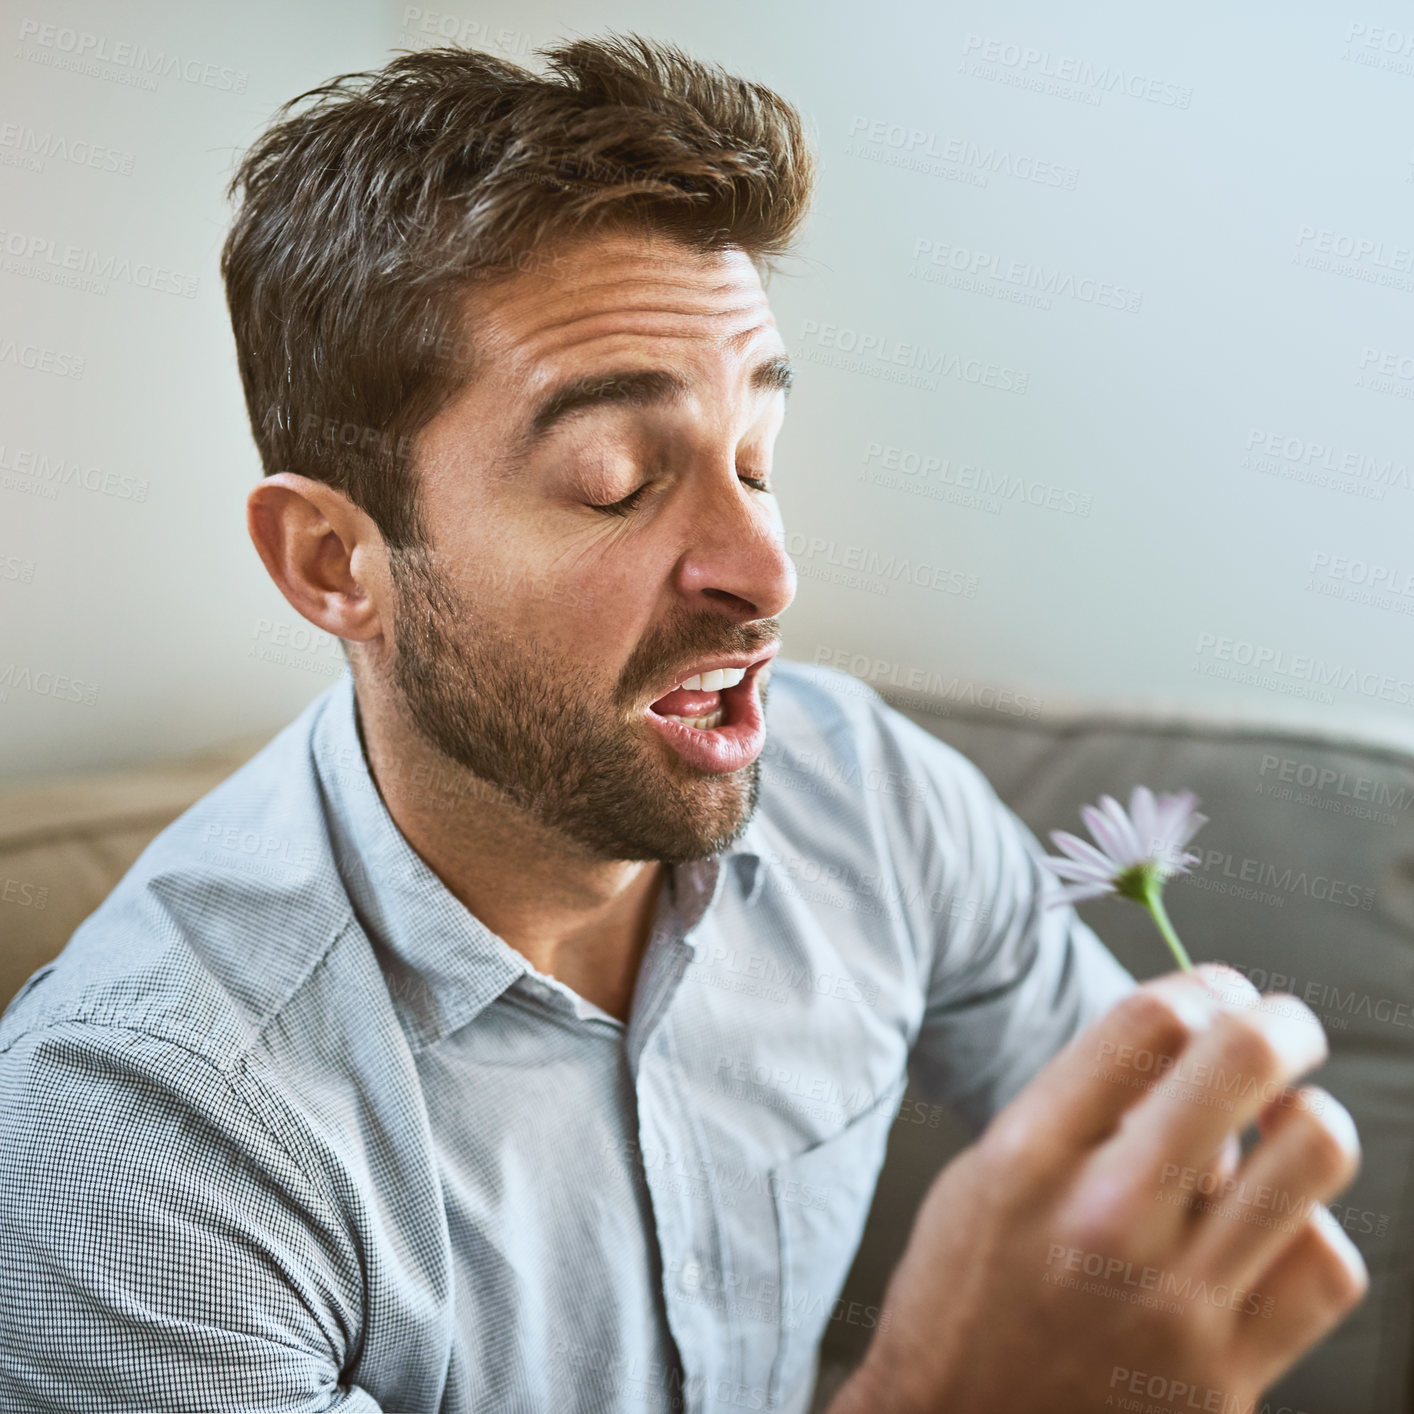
(1227, 1076)
(1077, 1100)
(1192, 1191)
(1231, 987)
(1309, 1152)
(1316, 1281)
(1229, 1158)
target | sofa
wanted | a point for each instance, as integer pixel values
(1306, 885)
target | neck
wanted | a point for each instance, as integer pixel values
(581, 919)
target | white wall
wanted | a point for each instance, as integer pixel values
(126, 577)
(1215, 457)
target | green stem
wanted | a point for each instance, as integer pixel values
(1155, 904)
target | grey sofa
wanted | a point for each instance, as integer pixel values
(1308, 876)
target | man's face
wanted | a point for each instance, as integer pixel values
(594, 545)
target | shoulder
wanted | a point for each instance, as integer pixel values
(853, 788)
(67, 1081)
(131, 1157)
(93, 1113)
(832, 735)
(217, 923)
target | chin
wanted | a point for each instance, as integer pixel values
(680, 826)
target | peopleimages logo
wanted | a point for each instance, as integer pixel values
(57, 471)
(897, 361)
(874, 564)
(1064, 75)
(986, 272)
(1138, 1390)
(42, 258)
(1327, 780)
(1222, 872)
(41, 360)
(1116, 1276)
(1264, 666)
(923, 150)
(1376, 47)
(965, 483)
(933, 690)
(45, 684)
(1311, 462)
(81, 51)
(23, 146)
(1395, 579)
(1346, 245)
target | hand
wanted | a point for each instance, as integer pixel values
(1069, 1256)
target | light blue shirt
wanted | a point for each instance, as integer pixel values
(286, 1127)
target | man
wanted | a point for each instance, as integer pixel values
(521, 1029)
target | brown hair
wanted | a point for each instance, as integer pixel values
(365, 216)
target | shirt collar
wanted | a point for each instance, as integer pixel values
(749, 860)
(443, 966)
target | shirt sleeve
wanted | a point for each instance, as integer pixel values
(159, 1248)
(1009, 977)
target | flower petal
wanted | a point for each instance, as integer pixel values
(1150, 835)
(1187, 828)
(1110, 840)
(1144, 814)
(1082, 850)
(1170, 813)
(1078, 893)
(1134, 849)
(1076, 869)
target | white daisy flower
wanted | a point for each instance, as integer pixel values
(1134, 855)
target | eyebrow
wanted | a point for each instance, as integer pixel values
(635, 387)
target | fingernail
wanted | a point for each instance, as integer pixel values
(1340, 1243)
(1335, 1117)
(1296, 1035)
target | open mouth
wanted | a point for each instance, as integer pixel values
(702, 702)
(713, 719)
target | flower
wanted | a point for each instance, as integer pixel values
(1139, 851)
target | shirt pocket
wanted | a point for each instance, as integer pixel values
(822, 1198)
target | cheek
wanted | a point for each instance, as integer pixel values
(603, 606)
(621, 576)
(589, 588)
(607, 604)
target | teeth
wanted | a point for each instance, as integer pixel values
(714, 681)
(710, 722)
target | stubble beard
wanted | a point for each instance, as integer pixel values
(564, 751)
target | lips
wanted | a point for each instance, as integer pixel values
(704, 690)
(733, 741)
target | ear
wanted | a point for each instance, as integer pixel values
(326, 555)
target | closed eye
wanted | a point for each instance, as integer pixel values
(623, 507)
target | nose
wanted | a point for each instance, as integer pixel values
(736, 557)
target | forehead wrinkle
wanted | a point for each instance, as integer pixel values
(642, 289)
(655, 308)
(648, 308)
(653, 323)
(621, 333)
